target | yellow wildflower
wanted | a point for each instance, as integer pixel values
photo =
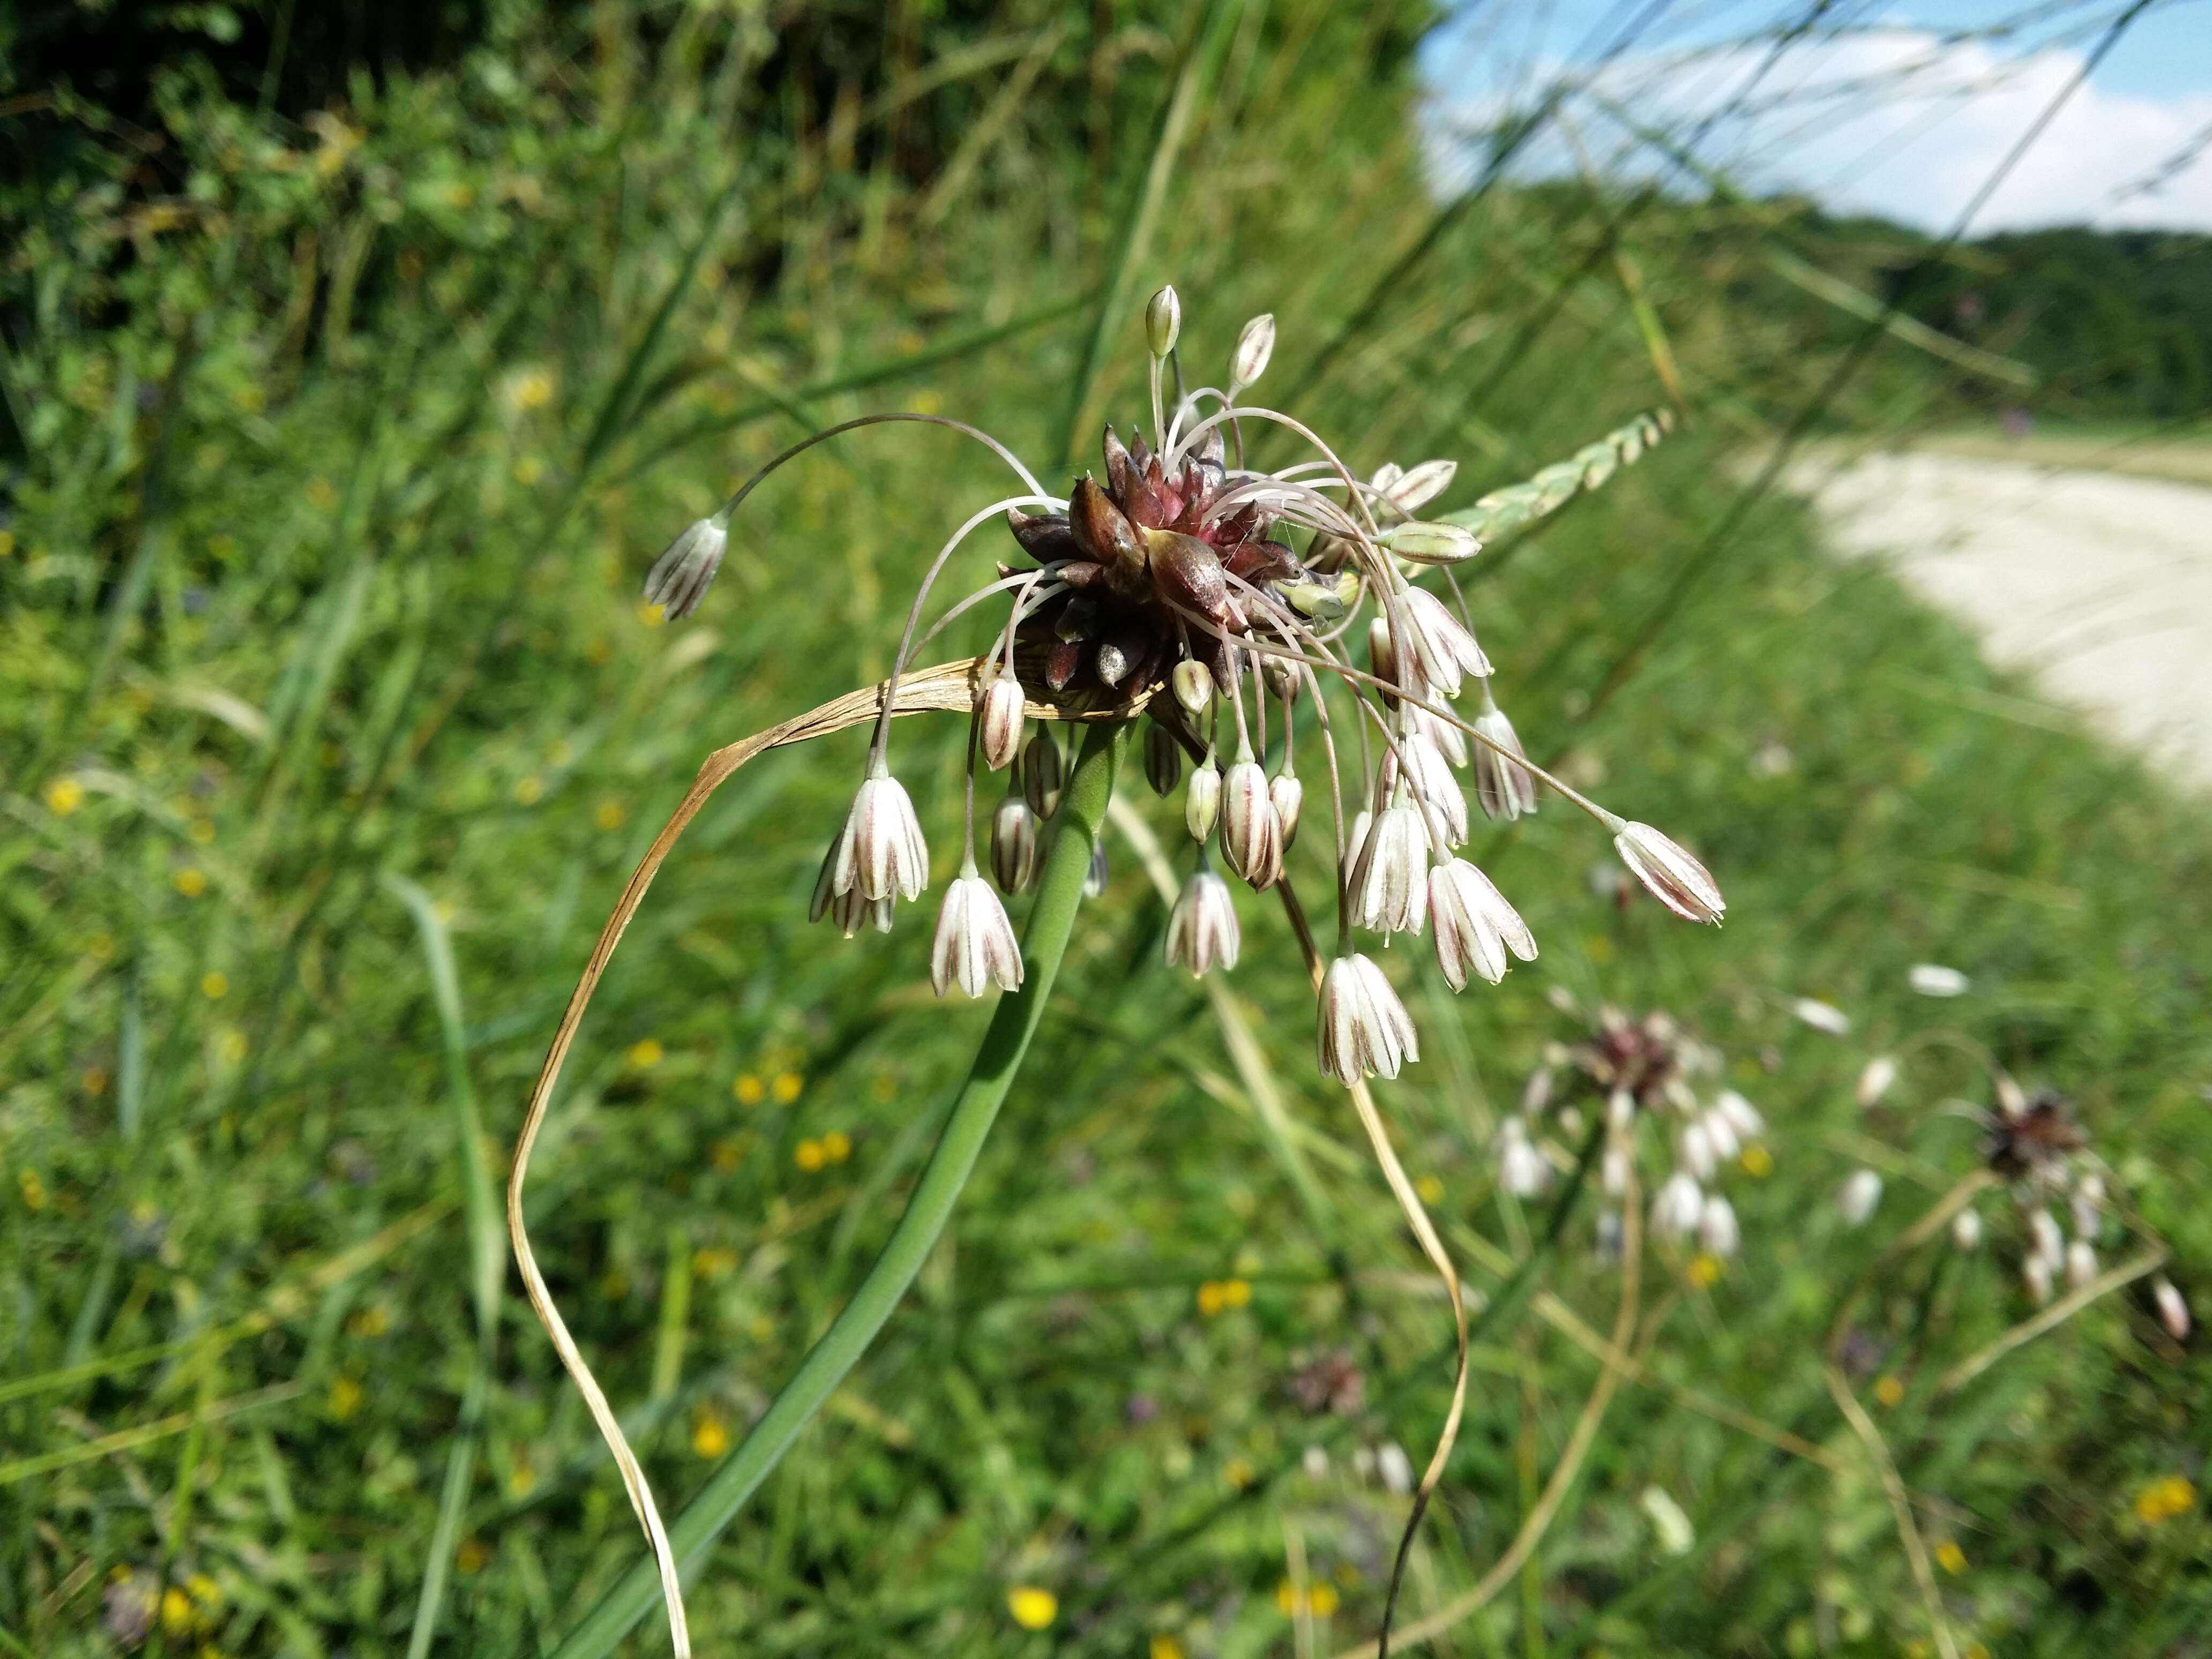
(2164, 1499)
(345, 1399)
(709, 1437)
(205, 1590)
(837, 1146)
(1705, 1270)
(1890, 1391)
(533, 389)
(1033, 1608)
(1757, 1162)
(809, 1156)
(715, 1261)
(95, 1080)
(787, 1086)
(527, 791)
(1950, 1556)
(177, 1614)
(1209, 1298)
(748, 1090)
(1236, 1293)
(471, 1556)
(645, 1053)
(611, 815)
(189, 882)
(33, 1189)
(1238, 1474)
(65, 796)
(652, 614)
(1166, 1646)
(528, 469)
(1430, 1189)
(215, 985)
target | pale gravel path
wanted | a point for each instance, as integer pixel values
(2096, 586)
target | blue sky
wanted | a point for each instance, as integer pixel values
(1902, 108)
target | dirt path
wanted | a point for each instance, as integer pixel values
(2097, 585)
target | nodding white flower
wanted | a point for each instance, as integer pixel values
(1504, 788)
(1671, 875)
(2011, 1101)
(2046, 1239)
(2081, 1263)
(1536, 1093)
(1671, 1528)
(1202, 801)
(680, 576)
(2173, 1310)
(1522, 1169)
(881, 852)
(1858, 1195)
(1678, 1207)
(1610, 1231)
(1013, 845)
(1431, 775)
(1612, 1170)
(1696, 1148)
(1194, 685)
(1163, 759)
(1389, 891)
(2089, 1215)
(1251, 834)
(1202, 931)
(1620, 1111)
(1720, 1134)
(1437, 644)
(1288, 797)
(1254, 346)
(852, 909)
(1163, 320)
(1450, 741)
(1966, 1229)
(1000, 710)
(1822, 1016)
(1716, 1226)
(1395, 1468)
(1363, 1027)
(1040, 774)
(2035, 1274)
(1932, 979)
(1413, 489)
(975, 945)
(1874, 1082)
(1742, 1116)
(1475, 924)
(1097, 876)
(1432, 542)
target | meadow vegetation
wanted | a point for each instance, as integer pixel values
(330, 726)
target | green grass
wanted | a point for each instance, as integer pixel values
(389, 633)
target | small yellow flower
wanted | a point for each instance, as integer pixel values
(645, 1053)
(1209, 1298)
(203, 830)
(345, 1399)
(1430, 1189)
(1033, 1608)
(611, 815)
(1950, 1556)
(205, 1590)
(1238, 1474)
(1974, 1650)
(786, 1087)
(215, 985)
(1323, 1600)
(809, 1156)
(1166, 1646)
(1890, 1391)
(652, 616)
(322, 494)
(471, 1556)
(33, 1189)
(230, 1044)
(528, 469)
(527, 791)
(1236, 1293)
(533, 389)
(748, 1090)
(370, 1322)
(65, 796)
(95, 1080)
(188, 881)
(1319, 1599)
(1705, 1270)
(715, 1261)
(177, 1615)
(726, 1155)
(1757, 1162)
(521, 1480)
(1598, 948)
(926, 402)
(837, 1146)
(709, 1437)
(2161, 1500)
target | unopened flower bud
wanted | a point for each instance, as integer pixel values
(1163, 759)
(1966, 1230)
(1382, 652)
(1000, 712)
(1427, 541)
(1254, 346)
(1288, 797)
(1251, 834)
(1202, 801)
(1501, 785)
(1040, 778)
(679, 577)
(2172, 1311)
(1194, 685)
(1013, 845)
(975, 944)
(1412, 491)
(1164, 321)
(1875, 1081)
(1857, 1197)
(1670, 873)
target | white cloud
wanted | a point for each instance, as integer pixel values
(1898, 122)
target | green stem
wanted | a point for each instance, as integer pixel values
(1082, 817)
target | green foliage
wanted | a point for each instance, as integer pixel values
(342, 456)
